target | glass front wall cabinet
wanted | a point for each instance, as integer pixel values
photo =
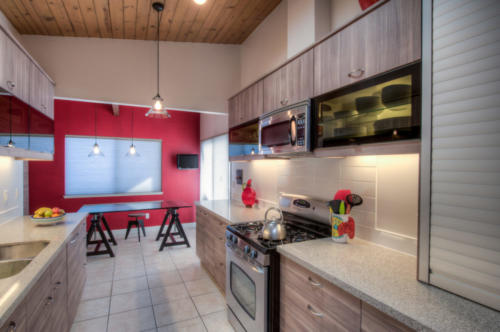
(384, 108)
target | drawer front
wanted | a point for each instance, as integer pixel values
(373, 320)
(59, 283)
(16, 321)
(330, 305)
(76, 251)
(40, 304)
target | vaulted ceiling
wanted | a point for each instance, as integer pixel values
(217, 21)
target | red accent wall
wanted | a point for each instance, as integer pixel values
(179, 134)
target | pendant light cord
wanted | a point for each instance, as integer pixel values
(158, 55)
(132, 127)
(95, 124)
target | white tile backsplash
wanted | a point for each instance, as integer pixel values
(388, 185)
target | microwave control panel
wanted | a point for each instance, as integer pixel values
(301, 129)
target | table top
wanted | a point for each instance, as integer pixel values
(132, 206)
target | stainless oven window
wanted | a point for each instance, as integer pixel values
(276, 134)
(243, 289)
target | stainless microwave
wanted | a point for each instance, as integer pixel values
(286, 130)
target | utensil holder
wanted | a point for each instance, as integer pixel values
(336, 220)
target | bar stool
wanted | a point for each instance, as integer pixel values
(137, 222)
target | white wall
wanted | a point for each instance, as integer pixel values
(388, 185)
(11, 189)
(343, 11)
(193, 75)
(266, 47)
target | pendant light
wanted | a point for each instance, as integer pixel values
(132, 151)
(158, 111)
(96, 150)
(11, 142)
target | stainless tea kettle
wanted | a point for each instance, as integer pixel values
(274, 229)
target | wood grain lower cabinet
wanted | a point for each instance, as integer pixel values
(59, 284)
(17, 320)
(39, 304)
(211, 245)
(311, 303)
(373, 320)
(77, 257)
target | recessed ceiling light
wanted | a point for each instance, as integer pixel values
(200, 2)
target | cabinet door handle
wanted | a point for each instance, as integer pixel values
(284, 102)
(11, 85)
(315, 313)
(50, 299)
(314, 283)
(74, 239)
(12, 327)
(357, 73)
(58, 283)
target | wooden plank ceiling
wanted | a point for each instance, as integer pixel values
(217, 21)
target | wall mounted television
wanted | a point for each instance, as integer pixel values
(187, 161)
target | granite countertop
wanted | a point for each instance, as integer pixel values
(234, 211)
(386, 279)
(22, 229)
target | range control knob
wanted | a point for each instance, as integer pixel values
(234, 239)
(253, 254)
(247, 250)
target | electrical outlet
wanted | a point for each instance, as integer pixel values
(147, 215)
(239, 176)
(5, 195)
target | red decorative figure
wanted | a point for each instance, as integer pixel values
(248, 196)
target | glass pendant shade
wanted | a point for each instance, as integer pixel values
(132, 151)
(10, 144)
(96, 151)
(157, 111)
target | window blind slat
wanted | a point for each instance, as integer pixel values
(465, 174)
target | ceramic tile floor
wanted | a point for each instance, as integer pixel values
(143, 289)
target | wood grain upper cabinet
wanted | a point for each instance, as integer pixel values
(290, 84)
(15, 68)
(41, 92)
(384, 39)
(246, 106)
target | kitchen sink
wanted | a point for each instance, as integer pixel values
(10, 268)
(21, 250)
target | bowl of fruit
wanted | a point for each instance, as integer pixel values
(48, 216)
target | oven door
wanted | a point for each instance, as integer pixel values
(247, 291)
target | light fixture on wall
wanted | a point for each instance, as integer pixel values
(158, 111)
(96, 150)
(200, 2)
(11, 142)
(132, 151)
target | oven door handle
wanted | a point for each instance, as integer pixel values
(257, 269)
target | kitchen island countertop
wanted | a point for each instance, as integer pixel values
(387, 280)
(234, 211)
(22, 229)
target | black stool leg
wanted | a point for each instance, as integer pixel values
(138, 230)
(141, 223)
(129, 226)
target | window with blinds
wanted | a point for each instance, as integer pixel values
(114, 173)
(214, 173)
(465, 175)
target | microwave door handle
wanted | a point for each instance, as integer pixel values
(292, 131)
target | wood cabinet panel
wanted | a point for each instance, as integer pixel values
(15, 69)
(329, 306)
(384, 39)
(76, 251)
(373, 320)
(17, 320)
(59, 283)
(211, 245)
(41, 92)
(247, 105)
(39, 305)
(290, 84)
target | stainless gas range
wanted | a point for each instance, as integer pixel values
(252, 269)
